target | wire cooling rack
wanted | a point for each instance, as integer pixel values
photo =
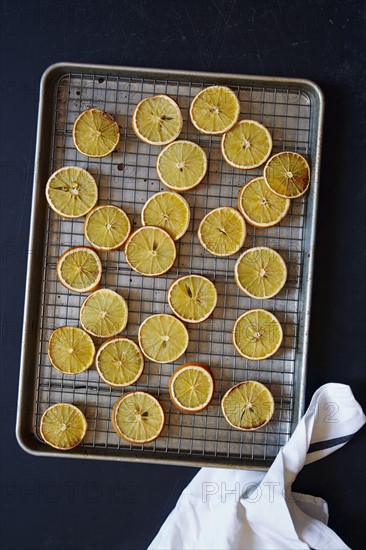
(128, 178)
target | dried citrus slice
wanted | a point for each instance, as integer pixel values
(214, 110)
(192, 298)
(182, 165)
(169, 211)
(260, 272)
(248, 405)
(95, 133)
(71, 350)
(157, 120)
(260, 206)
(247, 145)
(138, 417)
(257, 334)
(150, 251)
(287, 174)
(107, 227)
(63, 426)
(71, 192)
(119, 362)
(191, 387)
(163, 338)
(79, 269)
(104, 313)
(222, 231)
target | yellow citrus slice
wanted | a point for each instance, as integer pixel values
(181, 165)
(287, 174)
(107, 227)
(163, 338)
(192, 298)
(247, 145)
(104, 313)
(169, 211)
(138, 417)
(63, 426)
(260, 272)
(79, 269)
(150, 251)
(71, 192)
(222, 231)
(191, 387)
(157, 120)
(248, 405)
(95, 133)
(214, 110)
(71, 350)
(260, 206)
(257, 334)
(119, 362)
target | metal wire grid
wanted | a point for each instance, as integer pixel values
(127, 178)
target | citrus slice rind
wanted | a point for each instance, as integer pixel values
(71, 192)
(222, 231)
(181, 165)
(119, 362)
(95, 133)
(107, 227)
(157, 120)
(163, 338)
(248, 406)
(71, 350)
(191, 387)
(169, 211)
(214, 110)
(257, 334)
(104, 313)
(260, 272)
(79, 269)
(138, 417)
(246, 145)
(287, 174)
(63, 426)
(192, 298)
(150, 251)
(260, 206)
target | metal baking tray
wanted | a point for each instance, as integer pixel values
(292, 110)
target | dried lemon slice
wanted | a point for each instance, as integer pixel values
(191, 387)
(95, 133)
(248, 405)
(260, 272)
(163, 338)
(257, 334)
(71, 350)
(182, 165)
(150, 251)
(138, 417)
(287, 175)
(260, 206)
(79, 269)
(214, 110)
(71, 192)
(104, 313)
(63, 426)
(119, 362)
(222, 231)
(169, 211)
(192, 298)
(107, 227)
(157, 120)
(247, 145)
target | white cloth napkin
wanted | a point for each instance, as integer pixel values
(240, 509)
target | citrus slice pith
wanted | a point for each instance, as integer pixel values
(95, 133)
(157, 120)
(71, 192)
(63, 426)
(257, 334)
(163, 338)
(79, 269)
(138, 417)
(181, 165)
(71, 350)
(191, 387)
(287, 174)
(214, 110)
(107, 227)
(104, 313)
(169, 211)
(119, 362)
(246, 145)
(260, 272)
(150, 251)
(260, 206)
(222, 231)
(248, 405)
(192, 298)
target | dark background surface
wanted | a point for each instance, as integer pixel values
(64, 504)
